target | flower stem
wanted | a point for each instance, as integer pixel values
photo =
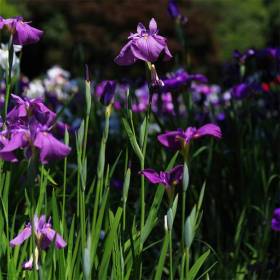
(170, 255)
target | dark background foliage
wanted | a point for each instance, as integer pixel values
(93, 32)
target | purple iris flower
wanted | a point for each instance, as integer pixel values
(37, 136)
(23, 33)
(174, 12)
(176, 140)
(275, 223)
(145, 45)
(181, 78)
(44, 236)
(105, 91)
(169, 178)
(27, 107)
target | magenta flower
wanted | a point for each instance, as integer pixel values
(145, 45)
(23, 33)
(166, 178)
(44, 236)
(275, 223)
(31, 107)
(176, 140)
(29, 126)
(39, 137)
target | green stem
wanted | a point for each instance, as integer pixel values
(66, 140)
(187, 262)
(170, 257)
(183, 218)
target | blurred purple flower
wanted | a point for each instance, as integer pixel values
(174, 12)
(142, 95)
(181, 78)
(275, 223)
(241, 90)
(163, 103)
(166, 178)
(242, 57)
(145, 45)
(176, 140)
(23, 33)
(105, 91)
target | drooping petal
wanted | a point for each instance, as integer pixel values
(49, 235)
(208, 129)
(163, 41)
(59, 242)
(7, 156)
(26, 34)
(19, 139)
(171, 140)
(125, 56)
(50, 148)
(151, 175)
(21, 237)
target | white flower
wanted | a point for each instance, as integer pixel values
(35, 89)
(57, 72)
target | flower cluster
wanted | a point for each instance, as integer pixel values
(28, 128)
